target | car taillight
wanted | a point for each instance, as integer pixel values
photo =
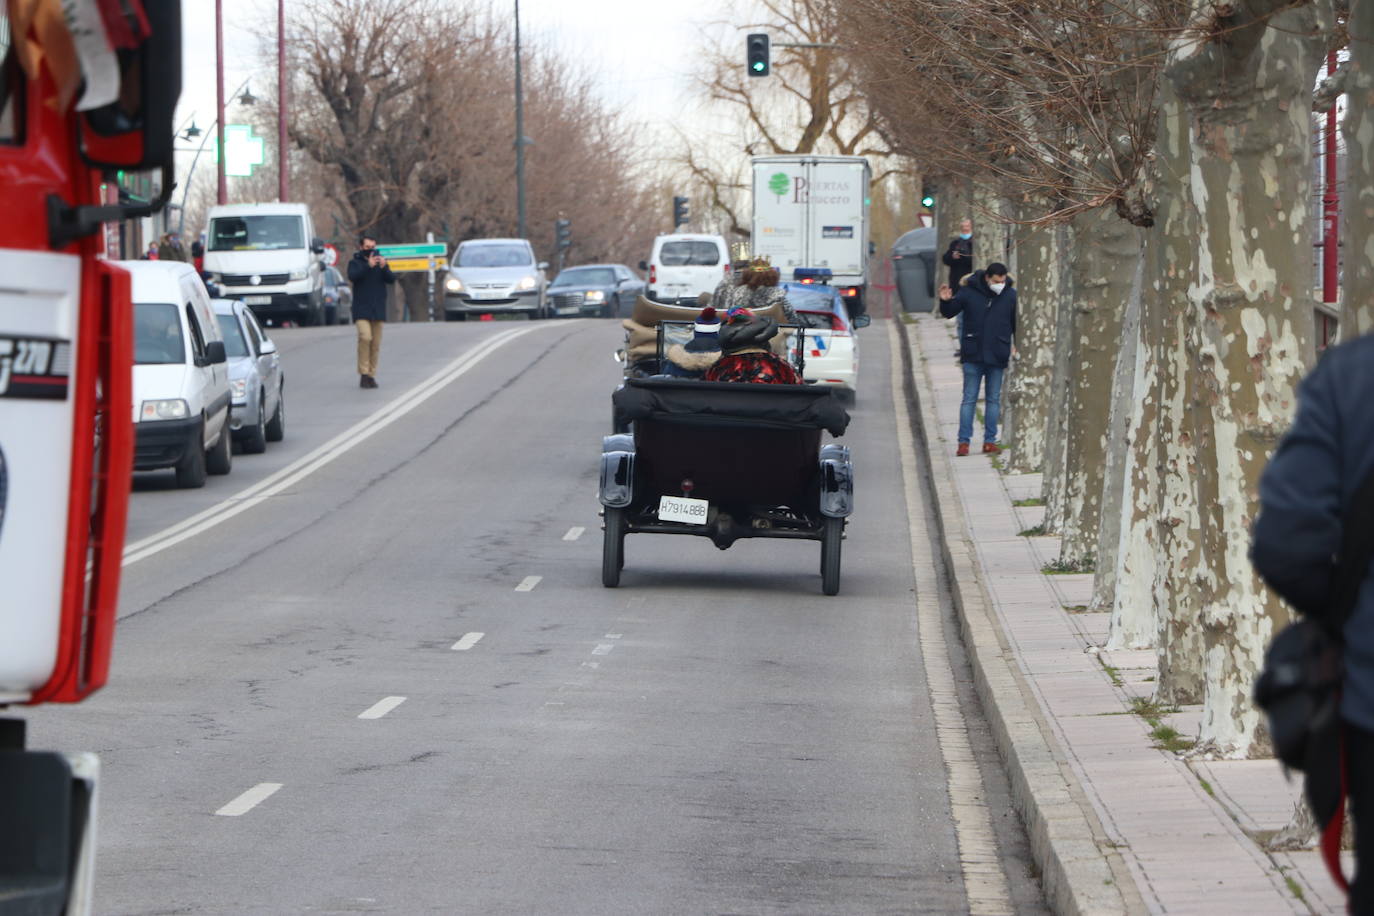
(727, 269)
(653, 273)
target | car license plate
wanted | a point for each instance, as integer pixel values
(257, 300)
(486, 294)
(682, 509)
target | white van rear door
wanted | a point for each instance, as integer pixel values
(687, 267)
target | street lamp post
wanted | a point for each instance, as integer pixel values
(223, 188)
(283, 184)
(519, 134)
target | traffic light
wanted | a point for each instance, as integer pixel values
(928, 197)
(757, 45)
(679, 211)
(562, 230)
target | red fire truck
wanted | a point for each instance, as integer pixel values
(87, 88)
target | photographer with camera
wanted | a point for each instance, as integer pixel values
(370, 276)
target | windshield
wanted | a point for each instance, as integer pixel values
(689, 254)
(256, 233)
(586, 276)
(157, 334)
(494, 256)
(234, 344)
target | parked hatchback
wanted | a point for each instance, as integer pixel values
(257, 387)
(684, 266)
(495, 276)
(608, 290)
(181, 380)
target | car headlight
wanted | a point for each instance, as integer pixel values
(595, 295)
(527, 283)
(453, 285)
(300, 274)
(238, 389)
(169, 409)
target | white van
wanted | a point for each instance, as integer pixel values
(268, 256)
(683, 266)
(181, 376)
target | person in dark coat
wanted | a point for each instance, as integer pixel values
(1305, 493)
(370, 276)
(958, 257)
(986, 300)
(748, 357)
(696, 357)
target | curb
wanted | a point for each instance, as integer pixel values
(1080, 872)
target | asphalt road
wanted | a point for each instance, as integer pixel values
(713, 737)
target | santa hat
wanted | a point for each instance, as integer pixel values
(705, 333)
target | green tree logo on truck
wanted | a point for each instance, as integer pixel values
(779, 184)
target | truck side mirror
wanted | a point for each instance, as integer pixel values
(317, 245)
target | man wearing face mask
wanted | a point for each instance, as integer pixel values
(986, 300)
(370, 276)
(959, 258)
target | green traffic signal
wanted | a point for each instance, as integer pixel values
(759, 66)
(928, 201)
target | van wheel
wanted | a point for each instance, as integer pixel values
(220, 459)
(276, 427)
(255, 443)
(190, 470)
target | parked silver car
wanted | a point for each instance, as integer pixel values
(495, 276)
(257, 385)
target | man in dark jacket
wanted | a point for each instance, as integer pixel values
(987, 302)
(370, 276)
(1305, 494)
(958, 257)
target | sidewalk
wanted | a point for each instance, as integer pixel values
(1173, 836)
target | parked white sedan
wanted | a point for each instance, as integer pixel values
(832, 350)
(257, 385)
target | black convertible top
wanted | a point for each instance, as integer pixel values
(730, 404)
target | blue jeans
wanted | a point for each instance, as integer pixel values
(974, 374)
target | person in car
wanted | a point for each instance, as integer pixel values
(758, 290)
(746, 354)
(739, 263)
(696, 357)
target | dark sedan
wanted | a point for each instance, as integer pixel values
(608, 290)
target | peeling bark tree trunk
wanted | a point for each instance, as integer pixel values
(1032, 378)
(1124, 406)
(1357, 294)
(1104, 258)
(1057, 416)
(1248, 93)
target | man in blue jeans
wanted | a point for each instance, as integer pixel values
(986, 300)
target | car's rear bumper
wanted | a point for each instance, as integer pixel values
(164, 443)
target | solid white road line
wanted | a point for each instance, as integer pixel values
(308, 464)
(467, 642)
(381, 708)
(985, 884)
(603, 648)
(574, 533)
(250, 799)
(528, 583)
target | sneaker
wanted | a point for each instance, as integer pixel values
(991, 448)
(962, 450)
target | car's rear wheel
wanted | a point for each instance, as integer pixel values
(276, 427)
(613, 548)
(220, 459)
(255, 441)
(190, 470)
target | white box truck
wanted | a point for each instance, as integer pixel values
(812, 212)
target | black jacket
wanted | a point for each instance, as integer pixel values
(989, 320)
(958, 267)
(369, 288)
(1305, 492)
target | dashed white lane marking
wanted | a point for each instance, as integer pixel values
(381, 708)
(250, 799)
(528, 583)
(574, 533)
(592, 665)
(467, 642)
(985, 884)
(311, 462)
(603, 648)
(614, 635)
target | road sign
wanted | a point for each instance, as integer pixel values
(415, 250)
(410, 265)
(331, 255)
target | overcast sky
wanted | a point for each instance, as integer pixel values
(641, 50)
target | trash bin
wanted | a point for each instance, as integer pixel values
(913, 260)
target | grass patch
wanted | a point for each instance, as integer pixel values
(1076, 608)
(1294, 886)
(1148, 680)
(1028, 503)
(1207, 787)
(1058, 568)
(1151, 710)
(1036, 532)
(1112, 672)
(1170, 740)
(1167, 738)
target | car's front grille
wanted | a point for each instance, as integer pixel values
(568, 300)
(247, 279)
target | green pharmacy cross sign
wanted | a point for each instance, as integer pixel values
(242, 150)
